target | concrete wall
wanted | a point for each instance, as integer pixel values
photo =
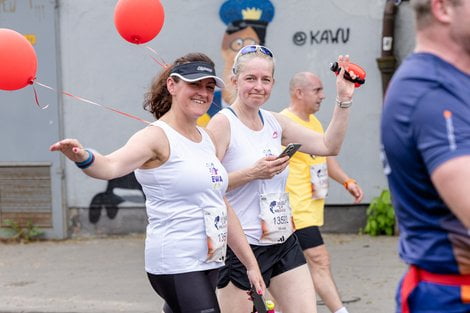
(30, 176)
(99, 65)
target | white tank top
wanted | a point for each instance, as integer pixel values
(177, 194)
(246, 147)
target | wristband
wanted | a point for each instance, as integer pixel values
(343, 104)
(88, 162)
(349, 181)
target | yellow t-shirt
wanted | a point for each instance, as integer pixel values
(305, 210)
(203, 120)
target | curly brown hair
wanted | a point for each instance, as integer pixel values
(158, 99)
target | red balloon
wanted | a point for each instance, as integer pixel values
(138, 21)
(18, 61)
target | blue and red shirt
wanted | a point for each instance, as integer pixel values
(426, 122)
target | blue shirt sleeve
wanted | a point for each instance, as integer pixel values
(441, 127)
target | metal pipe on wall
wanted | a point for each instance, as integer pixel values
(387, 61)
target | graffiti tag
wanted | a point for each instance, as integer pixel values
(327, 36)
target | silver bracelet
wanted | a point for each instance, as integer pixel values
(343, 104)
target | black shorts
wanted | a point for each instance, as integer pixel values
(192, 292)
(309, 237)
(272, 260)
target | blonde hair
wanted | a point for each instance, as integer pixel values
(241, 59)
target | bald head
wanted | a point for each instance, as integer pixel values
(302, 80)
(306, 94)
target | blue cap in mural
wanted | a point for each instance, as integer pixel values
(240, 14)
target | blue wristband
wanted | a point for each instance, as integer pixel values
(88, 162)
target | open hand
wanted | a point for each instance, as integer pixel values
(71, 148)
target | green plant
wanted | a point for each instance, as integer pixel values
(380, 216)
(24, 234)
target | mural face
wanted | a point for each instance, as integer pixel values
(231, 44)
(247, 21)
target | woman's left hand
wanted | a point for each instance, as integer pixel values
(256, 280)
(344, 87)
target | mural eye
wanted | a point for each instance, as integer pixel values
(237, 44)
(250, 41)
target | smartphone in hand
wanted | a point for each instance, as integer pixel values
(258, 301)
(290, 150)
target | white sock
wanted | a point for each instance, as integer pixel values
(342, 310)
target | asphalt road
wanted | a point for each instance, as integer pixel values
(106, 275)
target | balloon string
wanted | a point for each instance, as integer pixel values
(94, 103)
(36, 97)
(162, 62)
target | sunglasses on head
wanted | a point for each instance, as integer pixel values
(254, 48)
(251, 49)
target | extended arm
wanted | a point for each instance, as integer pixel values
(329, 143)
(141, 148)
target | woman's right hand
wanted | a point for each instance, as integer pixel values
(268, 167)
(71, 148)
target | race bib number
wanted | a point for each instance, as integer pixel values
(319, 180)
(276, 221)
(215, 220)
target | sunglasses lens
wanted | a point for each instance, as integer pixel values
(266, 51)
(254, 48)
(248, 49)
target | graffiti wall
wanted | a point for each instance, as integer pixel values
(305, 35)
